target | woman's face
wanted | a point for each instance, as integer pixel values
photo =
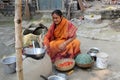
(56, 18)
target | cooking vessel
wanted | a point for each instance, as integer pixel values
(53, 77)
(93, 51)
(35, 53)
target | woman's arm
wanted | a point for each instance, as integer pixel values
(69, 40)
(48, 36)
(64, 44)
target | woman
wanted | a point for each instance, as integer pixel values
(60, 40)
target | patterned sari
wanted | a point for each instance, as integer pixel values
(56, 35)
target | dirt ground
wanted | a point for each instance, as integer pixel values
(109, 47)
(111, 73)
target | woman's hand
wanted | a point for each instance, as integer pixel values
(62, 46)
(73, 37)
(46, 48)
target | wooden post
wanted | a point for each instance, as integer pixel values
(37, 2)
(69, 12)
(81, 5)
(18, 38)
(69, 9)
(27, 10)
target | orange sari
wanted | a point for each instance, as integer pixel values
(56, 36)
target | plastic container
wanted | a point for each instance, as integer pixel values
(9, 64)
(102, 60)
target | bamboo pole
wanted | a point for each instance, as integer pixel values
(81, 5)
(18, 38)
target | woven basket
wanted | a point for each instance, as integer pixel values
(64, 68)
(85, 65)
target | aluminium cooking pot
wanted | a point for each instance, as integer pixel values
(53, 77)
(35, 53)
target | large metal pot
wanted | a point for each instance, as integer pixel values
(35, 53)
(9, 64)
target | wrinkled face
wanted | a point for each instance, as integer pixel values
(56, 18)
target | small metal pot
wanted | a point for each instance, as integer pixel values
(93, 51)
(53, 77)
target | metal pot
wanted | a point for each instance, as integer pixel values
(93, 51)
(53, 77)
(36, 53)
(9, 64)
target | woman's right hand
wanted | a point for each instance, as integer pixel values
(62, 46)
(46, 48)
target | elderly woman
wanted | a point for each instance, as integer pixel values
(60, 40)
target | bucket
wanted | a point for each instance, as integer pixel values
(102, 60)
(9, 64)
